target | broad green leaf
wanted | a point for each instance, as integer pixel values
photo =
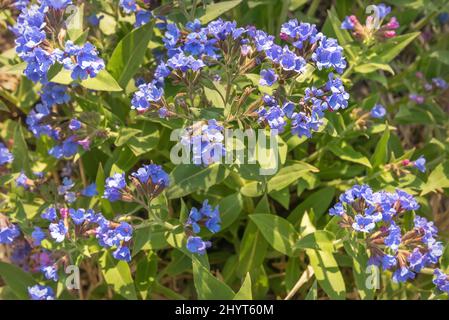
(16, 279)
(441, 55)
(347, 153)
(359, 264)
(372, 66)
(129, 54)
(380, 155)
(319, 201)
(146, 272)
(313, 292)
(103, 81)
(21, 160)
(185, 179)
(319, 240)
(327, 273)
(388, 50)
(230, 208)
(207, 286)
(438, 179)
(215, 10)
(245, 292)
(289, 174)
(278, 232)
(118, 275)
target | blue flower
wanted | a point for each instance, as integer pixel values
(52, 94)
(74, 125)
(274, 116)
(78, 215)
(94, 20)
(122, 253)
(402, 275)
(347, 23)
(337, 210)
(207, 215)
(152, 176)
(58, 231)
(382, 10)
(5, 155)
(38, 292)
(329, 55)
(22, 180)
(363, 224)
(268, 77)
(65, 150)
(388, 261)
(142, 17)
(83, 62)
(420, 164)
(56, 4)
(417, 260)
(38, 235)
(128, 6)
(146, 94)
(124, 231)
(441, 280)
(49, 214)
(197, 245)
(113, 187)
(393, 240)
(50, 272)
(8, 234)
(90, 190)
(440, 83)
(378, 111)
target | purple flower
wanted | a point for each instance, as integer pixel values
(56, 4)
(274, 116)
(393, 240)
(78, 215)
(348, 23)
(113, 187)
(22, 181)
(153, 175)
(146, 94)
(74, 125)
(378, 111)
(50, 272)
(382, 10)
(329, 55)
(363, 224)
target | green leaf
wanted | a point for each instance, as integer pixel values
(129, 54)
(327, 273)
(20, 152)
(146, 272)
(278, 232)
(438, 179)
(102, 82)
(215, 10)
(441, 55)
(318, 201)
(347, 153)
(245, 292)
(230, 208)
(16, 279)
(387, 51)
(289, 174)
(118, 275)
(318, 240)
(359, 263)
(186, 179)
(372, 66)
(380, 155)
(207, 286)
(106, 207)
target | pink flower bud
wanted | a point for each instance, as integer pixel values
(393, 23)
(389, 34)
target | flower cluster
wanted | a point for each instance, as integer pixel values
(209, 218)
(149, 181)
(202, 52)
(142, 15)
(205, 141)
(374, 27)
(378, 214)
